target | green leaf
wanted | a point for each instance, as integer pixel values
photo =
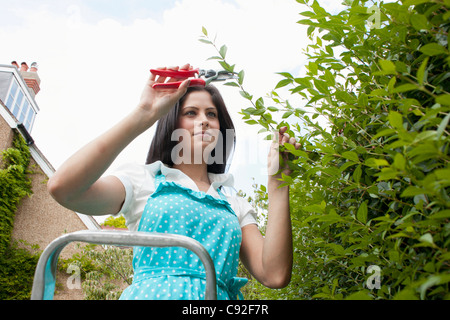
(399, 161)
(313, 67)
(414, 2)
(338, 249)
(383, 133)
(231, 84)
(226, 66)
(363, 101)
(391, 84)
(379, 92)
(223, 51)
(421, 71)
(286, 75)
(361, 215)
(446, 15)
(444, 214)
(321, 86)
(443, 99)
(308, 14)
(205, 41)
(329, 77)
(406, 294)
(241, 77)
(405, 88)
(411, 191)
(330, 218)
(283, 83)
(427, 237)
(419, 22)
(287, 178)
(357, 174)
(375, 163)
(214, 58)
(246, 95)
(443, 126)
(432, 281)
(350, 155)
(315, 208)
(388, 67)
(399, 235)
(432, 49)
(287, 114)
(345, 96)
(396, 119)
(205, 32)
(307, 22)
(387, 174)
(260, 103)
(303, 81)
(318, 9)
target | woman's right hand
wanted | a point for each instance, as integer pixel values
(158, 102)
(79, 185)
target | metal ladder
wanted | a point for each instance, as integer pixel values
(45, 274)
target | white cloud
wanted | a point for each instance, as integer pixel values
(93, 72)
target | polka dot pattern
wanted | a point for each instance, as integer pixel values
(177, 273)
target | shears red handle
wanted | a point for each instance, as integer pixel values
(179, 74)
(209, 75)
(177, 84)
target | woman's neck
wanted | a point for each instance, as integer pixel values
(197, 172)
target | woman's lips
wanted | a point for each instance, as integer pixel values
(206, 136)
(202, 133)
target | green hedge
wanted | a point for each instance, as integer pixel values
(16, 265)
(369, 190)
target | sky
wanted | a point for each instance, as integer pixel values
(94, 57)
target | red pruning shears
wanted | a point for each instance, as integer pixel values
(208, 75)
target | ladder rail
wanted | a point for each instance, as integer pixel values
(45, 274)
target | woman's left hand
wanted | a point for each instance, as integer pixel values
(273, 160)
(270, 258)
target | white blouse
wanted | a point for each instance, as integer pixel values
(139, 183)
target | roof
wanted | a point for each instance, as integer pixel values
(37, 155)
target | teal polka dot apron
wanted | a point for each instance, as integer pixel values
(175, 273)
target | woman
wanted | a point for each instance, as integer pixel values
(181, 194)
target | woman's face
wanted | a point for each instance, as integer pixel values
(198, 118)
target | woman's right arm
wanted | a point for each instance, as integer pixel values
(78, 184)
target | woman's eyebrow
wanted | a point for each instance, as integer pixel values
(194, 107)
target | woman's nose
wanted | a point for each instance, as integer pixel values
(203, 121)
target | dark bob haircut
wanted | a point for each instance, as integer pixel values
(162, 144)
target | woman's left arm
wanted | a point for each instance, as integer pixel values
(269, 258)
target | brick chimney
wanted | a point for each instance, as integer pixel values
(30, 76)
(24, 67)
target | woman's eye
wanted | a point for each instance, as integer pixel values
(192, 113)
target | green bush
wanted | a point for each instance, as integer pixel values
(17, 265)
(103, 271)
(118, 222)
(369, 190)
(14, 185)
